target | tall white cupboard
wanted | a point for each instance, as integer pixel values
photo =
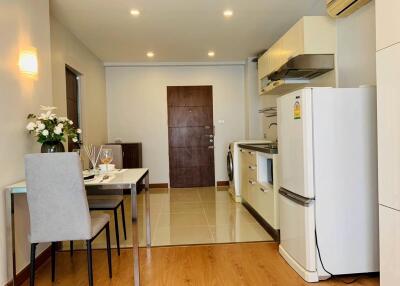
(388, 84)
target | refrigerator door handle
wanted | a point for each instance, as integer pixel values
(295, 197)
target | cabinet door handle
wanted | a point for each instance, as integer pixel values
(251, 182)
(252, 167)
(241, 150)
(264, 190)
(252, 153)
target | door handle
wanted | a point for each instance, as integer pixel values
(209, 135)
(251, 182)
(252, 167)
(210, 147)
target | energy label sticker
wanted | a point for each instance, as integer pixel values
(297, 110)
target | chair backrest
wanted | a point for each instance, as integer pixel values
(57, 201)
(117, 155)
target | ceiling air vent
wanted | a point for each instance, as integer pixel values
(343, 8)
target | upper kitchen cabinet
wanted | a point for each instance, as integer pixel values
(310, 35)
(387, 23)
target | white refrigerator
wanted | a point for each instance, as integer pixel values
(328, 176)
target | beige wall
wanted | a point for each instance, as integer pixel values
(137, 109)
(356, 48)
(254, 120)
(66, 49)
(23, 24)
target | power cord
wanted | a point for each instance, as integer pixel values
(323, 267)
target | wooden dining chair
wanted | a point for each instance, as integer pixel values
(58, 207)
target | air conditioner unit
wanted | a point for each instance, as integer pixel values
(343, 8)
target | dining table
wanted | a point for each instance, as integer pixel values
(111, 182)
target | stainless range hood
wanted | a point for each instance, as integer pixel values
(297, 73)
(304, 67)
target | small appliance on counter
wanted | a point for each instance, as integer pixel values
(328, 178)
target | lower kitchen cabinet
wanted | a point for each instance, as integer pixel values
(261, 195)
(389, 236)
(264, 203)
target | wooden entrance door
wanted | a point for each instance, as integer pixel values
(72, 86)
(191, 136)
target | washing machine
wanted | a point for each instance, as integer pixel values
(233, 166)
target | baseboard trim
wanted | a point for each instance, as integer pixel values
(273, 232)
(159, 185)
(23, 275)
(222, 183)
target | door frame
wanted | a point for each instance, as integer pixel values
(79, 81)
(212, 128)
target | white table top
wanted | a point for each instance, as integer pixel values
(127, 177)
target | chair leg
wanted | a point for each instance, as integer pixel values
(123, 218)
(109, 250)
(71, 248)
(33, 254)
(53, 261)
(116, 230)
(89, 261)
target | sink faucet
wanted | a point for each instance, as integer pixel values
(272, 124)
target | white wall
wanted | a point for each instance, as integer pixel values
(23, 24)
(356, 48)
(137, 109)
(66, 49)
(270, 133)
(253, 126)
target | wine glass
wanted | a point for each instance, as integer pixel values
(106, 157)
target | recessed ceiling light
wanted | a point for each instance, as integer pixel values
(228, 13)
(135, 12)
(211, 53)
(150, 54)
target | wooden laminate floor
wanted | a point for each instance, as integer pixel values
(252, 264)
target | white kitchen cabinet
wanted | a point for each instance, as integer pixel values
(310, 35)
(387, 23)
(262, 65)
(388, 102)
(248, 173)
(293, 42)
(389, 225)
(256, 191)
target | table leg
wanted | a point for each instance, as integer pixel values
(148, 223)
(135, 236)
(11, 210)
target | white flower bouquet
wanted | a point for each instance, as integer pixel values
(48, 128)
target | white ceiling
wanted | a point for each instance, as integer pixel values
(180, 30)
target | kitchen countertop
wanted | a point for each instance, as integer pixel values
(264, 148)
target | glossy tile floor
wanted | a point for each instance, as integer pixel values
(190, 216)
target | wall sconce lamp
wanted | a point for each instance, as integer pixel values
(28, 62)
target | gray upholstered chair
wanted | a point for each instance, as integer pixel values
(58, 207)
(111, 203)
